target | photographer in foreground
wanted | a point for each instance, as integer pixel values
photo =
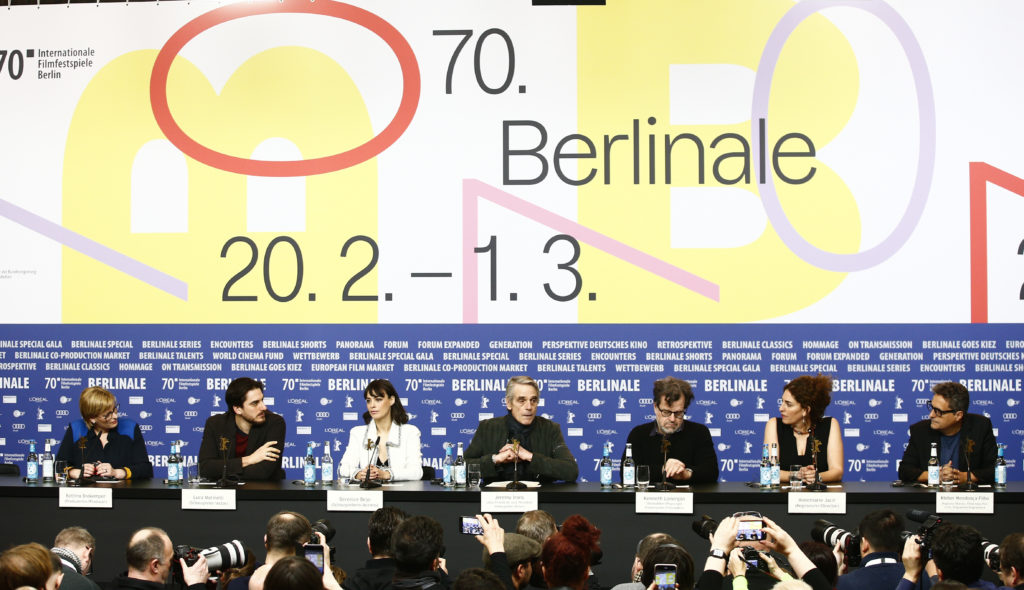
(150, 558)
(880, 542)
(956, 555)
(1011, 561)
(723, 541)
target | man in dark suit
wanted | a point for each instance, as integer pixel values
(964, 441)
(252, 434)
(880, 565)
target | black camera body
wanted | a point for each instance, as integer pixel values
(324, 527)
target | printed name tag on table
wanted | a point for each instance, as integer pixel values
(964, 502)
(85, 498)
(507, 501)
(207, 499)
(817, 503)
(664, 503)
(354, 501)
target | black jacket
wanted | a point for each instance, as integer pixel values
(691, 444)
(211, 462)
(976, 428)
(375, 575)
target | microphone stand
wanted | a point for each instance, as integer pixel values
(77, 481)
(969, 486)
(515, 484)
(665, 485)
(367, 483)
(818, 485)
(224, 482)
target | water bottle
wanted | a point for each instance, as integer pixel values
(629, 467)
(933, 467)
(32, 465)
(606, 467)
(776, 469)
(47, 461)
(448, 465)
(766, 468)
(1000, 468)
(327, 465)
(459, 470)
(174, 465)
(309, 468)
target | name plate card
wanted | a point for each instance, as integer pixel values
(507, 501)
(85, 498)
(817, 503)
(354, 501)
(207, 499)
(964, 502)
(664, 503)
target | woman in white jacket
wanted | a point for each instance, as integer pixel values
(398, 454)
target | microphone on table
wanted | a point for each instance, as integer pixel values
(372, 447)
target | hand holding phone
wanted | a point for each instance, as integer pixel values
(469, 525)
(750, 532)
(665, 576)
(315, 554)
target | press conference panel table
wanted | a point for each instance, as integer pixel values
(31, 513)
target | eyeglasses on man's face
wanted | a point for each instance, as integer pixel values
(938, 412)
(670, 414)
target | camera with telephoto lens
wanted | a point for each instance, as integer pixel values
(990, 551)
(218, 558)
(825, 532)
(705, 526)
(324, 527)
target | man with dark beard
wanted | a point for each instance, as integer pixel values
(691, 454)
(249, 435)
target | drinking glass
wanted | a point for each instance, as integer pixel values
(60, 472)
(473, 475)
(946, 484)
(795, 483)
(190, 473)
(643, 476)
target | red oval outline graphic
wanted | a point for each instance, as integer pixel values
(375, 145)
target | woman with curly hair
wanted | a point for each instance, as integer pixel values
(801, 418)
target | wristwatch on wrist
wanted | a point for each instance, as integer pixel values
(716, 553)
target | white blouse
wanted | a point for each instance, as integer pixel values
(404, 457)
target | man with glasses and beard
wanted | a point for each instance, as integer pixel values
(963, 440)
(691, 453)
(253, 435)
